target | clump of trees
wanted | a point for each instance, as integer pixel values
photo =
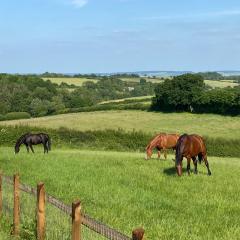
(189, 93)
(218, 76)
(34, 96)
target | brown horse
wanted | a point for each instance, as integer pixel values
(162, 141)
(190, 147)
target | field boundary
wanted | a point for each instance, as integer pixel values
(74, 211)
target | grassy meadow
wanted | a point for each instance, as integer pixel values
(221, 84)
(80, 81)
(150, 122)
(76, 81)
(125, 191)
(147, 98)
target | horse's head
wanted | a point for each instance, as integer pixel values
(16, 149)
(179, 169)
(148, 153)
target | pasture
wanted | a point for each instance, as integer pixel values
(123, 190)
(80, 81)
(76, 81)
(221, 84)
(149, 122)
(140, 99)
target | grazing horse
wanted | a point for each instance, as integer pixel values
(162, 141)
(29, 139)
(190, 147)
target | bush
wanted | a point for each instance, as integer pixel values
(118, 140)
(17, 115)
(2, 117)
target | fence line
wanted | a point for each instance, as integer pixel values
(72, 211)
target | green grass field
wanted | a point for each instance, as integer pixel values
(221, 84)
(125, 191)
(75, 81)
(148, 99)
(151, 122)
(80, 81)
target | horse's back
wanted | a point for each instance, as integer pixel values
(171, 140)
(191, 145)
(198, 143)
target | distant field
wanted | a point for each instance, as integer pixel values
(148, 99)
(153, 80)
(204, 124)
(221, 84)
(125, 191)
(75, 81)
(80, 81)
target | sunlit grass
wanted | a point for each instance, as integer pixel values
(125, 191)
(150, 122)
(75, 81)
(221, 84)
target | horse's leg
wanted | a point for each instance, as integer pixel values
(188, 165)
(207, 165)
(195, 164)
(159, 153)
(165, 153)
(27, 148)
(44, 148)
(30, 145)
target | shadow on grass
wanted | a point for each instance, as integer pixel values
(172, 171)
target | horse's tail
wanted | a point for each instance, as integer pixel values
(49, 143)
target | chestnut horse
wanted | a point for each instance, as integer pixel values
(162, 141)
(190, 147)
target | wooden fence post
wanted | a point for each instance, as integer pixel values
(0, 194)
(16, 208)
(40, 211)
(76, 220)
(138, 234)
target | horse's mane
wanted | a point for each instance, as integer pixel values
(20, 140)
(153, 140)
(179, 143)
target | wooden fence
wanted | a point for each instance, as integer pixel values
(74, 211)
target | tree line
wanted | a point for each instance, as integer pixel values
(219, 76)
(189, 93)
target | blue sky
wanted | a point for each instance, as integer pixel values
(119, 35)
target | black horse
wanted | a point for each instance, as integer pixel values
(29, 139)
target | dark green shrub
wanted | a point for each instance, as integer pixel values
(17, 115)
(2, 117)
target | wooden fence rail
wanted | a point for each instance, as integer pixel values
(78, 219)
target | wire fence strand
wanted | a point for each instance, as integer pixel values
(58, 215)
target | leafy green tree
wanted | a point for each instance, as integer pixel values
(39, 107)
(178, 93)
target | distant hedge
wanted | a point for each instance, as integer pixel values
(117, 140)
(16, 115)
(106, 107)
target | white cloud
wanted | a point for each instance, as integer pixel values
(79, 3)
